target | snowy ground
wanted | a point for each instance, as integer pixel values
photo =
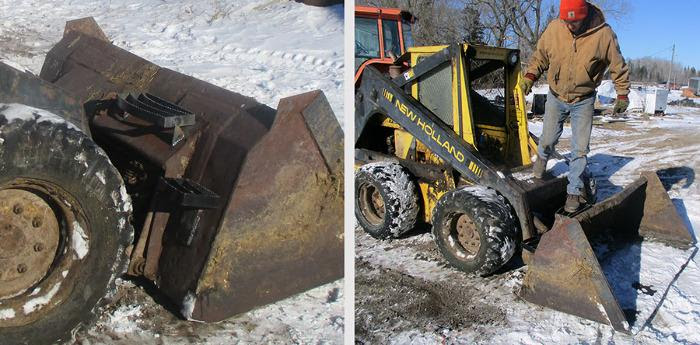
(264, 49)
(405, 292)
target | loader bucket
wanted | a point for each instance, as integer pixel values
(277, 229)
(564, 273)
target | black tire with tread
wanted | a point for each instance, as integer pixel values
(493, 219)
(48, 150)
(399, 194)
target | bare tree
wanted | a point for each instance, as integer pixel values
(521, 22)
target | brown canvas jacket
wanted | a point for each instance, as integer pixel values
(576, 64)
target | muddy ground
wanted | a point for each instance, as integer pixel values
(406, 292)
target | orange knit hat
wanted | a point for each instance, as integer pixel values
(573, 10)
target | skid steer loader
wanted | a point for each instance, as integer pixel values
(446, 142)
(110, 163)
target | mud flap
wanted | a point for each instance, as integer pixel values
(564, 273)
(282, 231)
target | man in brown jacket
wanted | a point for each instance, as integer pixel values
(576, 49)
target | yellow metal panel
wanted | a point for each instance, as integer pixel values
(426, 50)
(388, 122)
(403, 142)
(521, 115)
(465, 112)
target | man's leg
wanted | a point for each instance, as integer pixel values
(581, 125)
(555, 112)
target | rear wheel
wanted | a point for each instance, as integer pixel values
(63, 226)
(386, 201)
(475, 229)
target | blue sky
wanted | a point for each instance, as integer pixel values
(653, 26)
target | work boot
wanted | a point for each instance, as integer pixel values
(573, 202)
(539, 168)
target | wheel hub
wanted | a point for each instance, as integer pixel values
(372, 204)
(467, 235)
(29, 237)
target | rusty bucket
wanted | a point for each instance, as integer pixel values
(277, 175)
(564, 273)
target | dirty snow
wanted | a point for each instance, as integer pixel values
(7, 313)
(267, 50)
(37, 302)
(79, 241)
(21, 112)
(655, 284)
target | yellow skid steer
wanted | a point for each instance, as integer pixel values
(445, 141)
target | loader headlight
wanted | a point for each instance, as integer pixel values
(513, 58)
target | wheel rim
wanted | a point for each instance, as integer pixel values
(43, 237)
(29, 237)
(371, 204)
(464, 231)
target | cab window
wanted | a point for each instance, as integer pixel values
(407, 35)
(391, 37)
(366, 40)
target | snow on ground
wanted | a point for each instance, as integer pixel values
(405, 288)
(264, 49)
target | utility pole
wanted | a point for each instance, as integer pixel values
(670, 69)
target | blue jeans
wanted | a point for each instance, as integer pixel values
(581, 113)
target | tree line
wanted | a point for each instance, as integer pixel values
(514, 24)
(655, 70)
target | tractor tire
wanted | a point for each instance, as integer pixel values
(475, 229)
(64, 227)
(386, 201)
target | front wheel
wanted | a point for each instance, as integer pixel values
(386, 200)
(475, 229)
(63, 226)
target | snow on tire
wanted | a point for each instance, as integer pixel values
(386, 201)
(475, 229)
(63, 227)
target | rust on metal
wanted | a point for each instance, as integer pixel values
(26, 251)
(641, 209)
(467, 234)
(282, 228)
(371, 204)
(43, 200)
(86, 26)
(565, 275)
(283, 189)
(19, 87)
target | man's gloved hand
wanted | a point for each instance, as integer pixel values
(621, 104)
(526, 82)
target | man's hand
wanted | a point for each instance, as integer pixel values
(621, 104)
(526, 82)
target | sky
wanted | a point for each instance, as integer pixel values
(653, 26)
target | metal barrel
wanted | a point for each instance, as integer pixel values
(278, 230)
(564, 273)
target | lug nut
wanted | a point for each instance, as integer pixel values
(38, 247)
(36, 222)
(17, 209)
(21, 268)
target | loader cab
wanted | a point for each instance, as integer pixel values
(475, 93)
(379, 34)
